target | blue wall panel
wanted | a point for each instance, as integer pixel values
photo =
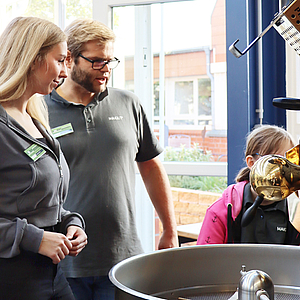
(242, 76)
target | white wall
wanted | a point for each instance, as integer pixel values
(293, 90)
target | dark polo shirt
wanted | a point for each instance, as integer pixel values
(269, 224)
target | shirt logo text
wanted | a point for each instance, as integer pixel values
(115, 118)
(281, 229)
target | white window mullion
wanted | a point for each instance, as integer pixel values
(195, 96)
(60, 13)
(143, 88)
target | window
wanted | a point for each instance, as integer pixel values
(184, 98)
(189, 103)
(194, 68)
(13, 8)
(204, 100)
(52, 10)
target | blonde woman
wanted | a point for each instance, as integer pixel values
(271, 224)
(36, 233)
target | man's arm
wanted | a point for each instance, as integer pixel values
(158, 187)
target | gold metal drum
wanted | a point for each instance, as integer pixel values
(275, 177)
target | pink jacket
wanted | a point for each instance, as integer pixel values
(214, 226)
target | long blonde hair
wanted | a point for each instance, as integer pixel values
(24, 41)
(264, 140)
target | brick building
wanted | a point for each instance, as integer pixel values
(195, 90)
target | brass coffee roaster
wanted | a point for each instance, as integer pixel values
(274, 178)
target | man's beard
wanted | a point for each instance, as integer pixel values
(85, 80)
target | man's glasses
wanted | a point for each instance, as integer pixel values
(100, 64)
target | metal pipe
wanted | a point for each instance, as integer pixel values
(260, 109)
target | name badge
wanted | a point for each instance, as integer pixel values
(62, 130)
(35, 152)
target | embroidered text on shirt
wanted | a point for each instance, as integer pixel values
(281, 229)
(116, 118)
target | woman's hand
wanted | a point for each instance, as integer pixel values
(78, 238)
(55, 245)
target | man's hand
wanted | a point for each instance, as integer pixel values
(78, 239)
(55, 245)
(168, 240)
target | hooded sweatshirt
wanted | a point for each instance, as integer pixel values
(214, 228)
(222, 221)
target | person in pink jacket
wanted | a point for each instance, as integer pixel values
(271, 224)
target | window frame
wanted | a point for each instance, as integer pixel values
(171, 116)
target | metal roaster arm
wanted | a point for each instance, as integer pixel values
(237, 53)
(286, 23)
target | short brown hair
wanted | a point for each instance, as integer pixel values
(82, 31)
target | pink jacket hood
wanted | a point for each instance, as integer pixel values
(234, 195)
(214, 226)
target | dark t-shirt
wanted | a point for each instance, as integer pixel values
(109, 135)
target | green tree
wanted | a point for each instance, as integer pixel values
(45, 9)
(41, 8)
(79, 9)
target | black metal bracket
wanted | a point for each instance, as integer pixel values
(287, 103)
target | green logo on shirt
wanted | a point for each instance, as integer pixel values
(35, 152)
(62, 130)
